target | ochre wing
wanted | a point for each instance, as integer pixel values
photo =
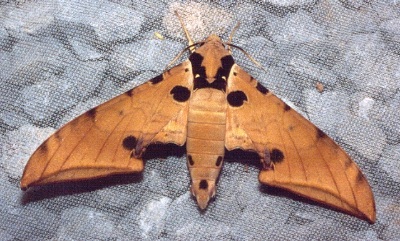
(109, 139)
(297, 156)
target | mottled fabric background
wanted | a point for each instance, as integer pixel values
(60, 58)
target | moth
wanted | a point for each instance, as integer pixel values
(211, 104)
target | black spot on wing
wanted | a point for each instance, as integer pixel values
(91, 113)
(157, 79)
(348, 163)
(261, 88)
(129, 143)
(190, 160)
(203, 184)
(180, 93)
(320, 134)
(43, 148)
(360, 178)
(287, 107)
(236, 98)
(129, 93)
(276, 155)
(219, 161)
(57, 135)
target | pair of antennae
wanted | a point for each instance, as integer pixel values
(192, 45)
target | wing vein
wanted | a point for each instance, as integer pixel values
(51, 158)
(107, 138)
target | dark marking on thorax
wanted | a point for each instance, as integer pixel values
(200, 83)
(196, 60)
(219, 79)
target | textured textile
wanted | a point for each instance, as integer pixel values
(60, 58)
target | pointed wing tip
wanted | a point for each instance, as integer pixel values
(23, 187)
(369, 216)
(371, 219)
(24, 184)
(367, 213)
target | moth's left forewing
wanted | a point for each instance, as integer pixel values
(297, 155)
(110, 138)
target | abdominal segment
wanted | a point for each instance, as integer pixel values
(205, 143)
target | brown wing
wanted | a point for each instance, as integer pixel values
(297, 156)
(110, 138)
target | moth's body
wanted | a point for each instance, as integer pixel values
(211, 104)
(205, 143)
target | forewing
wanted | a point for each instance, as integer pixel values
(297, 156)
(110, 139)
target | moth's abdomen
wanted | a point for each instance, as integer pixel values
(205, 143)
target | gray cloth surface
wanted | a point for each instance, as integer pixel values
(58, 59)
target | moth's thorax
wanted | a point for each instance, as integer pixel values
(211, 64)
(213, 50)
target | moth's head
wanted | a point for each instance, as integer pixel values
(213, 37)
(212, 40)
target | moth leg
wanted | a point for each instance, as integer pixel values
(266, 161)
